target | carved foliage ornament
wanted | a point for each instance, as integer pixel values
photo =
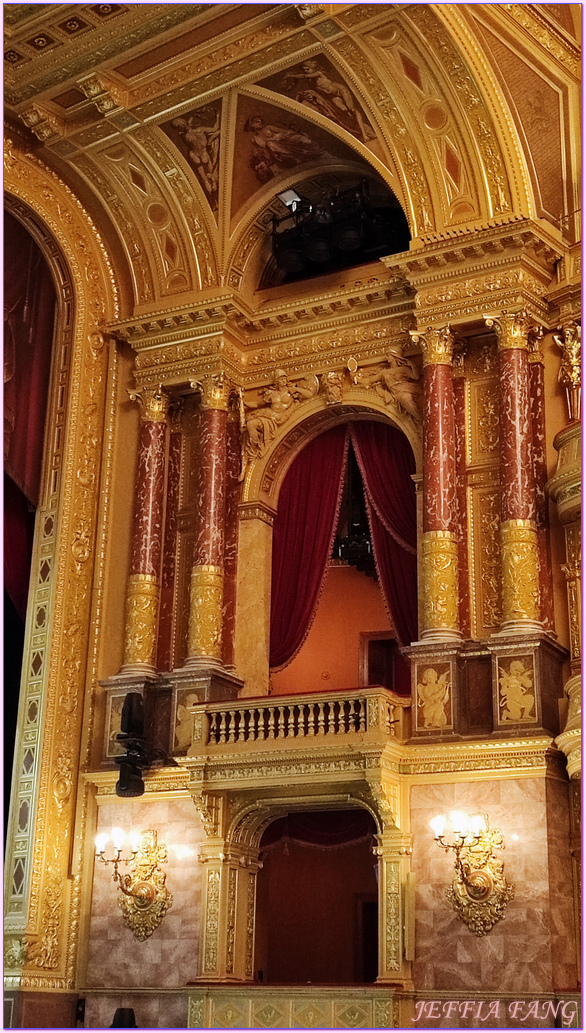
(480, 892)
(145, 899)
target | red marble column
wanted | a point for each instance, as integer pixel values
(519, 552)
(204, 640)
(142, 596)
(439, 555)
(461, 496)
(538, 435)
(233, 491)
(165, 634)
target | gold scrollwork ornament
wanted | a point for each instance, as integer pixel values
(480, 892)
(145, 899)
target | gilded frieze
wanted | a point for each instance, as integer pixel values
(487, 522)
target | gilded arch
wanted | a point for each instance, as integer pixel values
(43, 878)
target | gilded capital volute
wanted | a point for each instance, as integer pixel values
(512, 329)
(437, 345)
(215, 391)
(153, 402)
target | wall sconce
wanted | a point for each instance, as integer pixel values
(479, 892)
(145, 899)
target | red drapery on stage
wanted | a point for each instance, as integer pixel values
(29, 316)
(386, 463)
(303, 536)
(305, 526)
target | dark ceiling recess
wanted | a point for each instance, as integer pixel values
(336, 228)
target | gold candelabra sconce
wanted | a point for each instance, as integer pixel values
(479, 892)
(145, 898)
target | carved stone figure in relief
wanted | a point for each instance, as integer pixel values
(516, 699)
(434, 691)
(332, 383)
(261, 423)
(184, 723)
(398, 383)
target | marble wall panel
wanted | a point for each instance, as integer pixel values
(518, 953)
(152, 1011)
(169, 957)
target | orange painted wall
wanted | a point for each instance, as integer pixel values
(350, 603)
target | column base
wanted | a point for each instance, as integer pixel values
(439, 635)
(520, 627)
(206, 680)
(137, 671)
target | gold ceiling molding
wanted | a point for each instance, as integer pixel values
(486, 108)
(540, 29)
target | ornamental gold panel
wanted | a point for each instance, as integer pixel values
(520, 571)
(142, 600)
(439, 559)
(486, 558)
(205, 612)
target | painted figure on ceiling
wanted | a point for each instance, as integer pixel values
(203, 150)
(317, 90)
(276, 148)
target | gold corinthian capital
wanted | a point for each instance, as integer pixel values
(512, 329)
(439, 560)
(437, 345)
(153, 403)
(215, 391)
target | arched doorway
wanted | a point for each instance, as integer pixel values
(317, 903)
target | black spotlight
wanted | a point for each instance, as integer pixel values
(130, 781)
(124, 1019)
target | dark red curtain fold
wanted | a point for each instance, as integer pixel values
(29, 316)
(303, 535)
(387, 463)
(19, 524)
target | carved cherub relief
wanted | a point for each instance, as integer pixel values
(517, 697)
(433, 692)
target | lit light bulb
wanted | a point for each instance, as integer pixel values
(135, 840)
(438, 825)
(101, 840)
(118, 837)
(477, 825)
(459, 823)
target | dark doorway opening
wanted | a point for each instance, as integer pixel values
(317, 912)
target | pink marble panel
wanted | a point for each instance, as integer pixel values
(233, 493)
(517, 476)
(164, 658)
(210, 502)
(148, 500)
(152, 1011)
(531, 949)
(169, 957)
(439, 446)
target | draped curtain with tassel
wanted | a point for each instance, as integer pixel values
(303, 536)
(305, 526)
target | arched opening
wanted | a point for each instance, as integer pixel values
(344, 586)
(29, 321)
(317, 902)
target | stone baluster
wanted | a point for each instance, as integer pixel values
(142, 593)
(439, 547)
(204, 639)
(518, 529)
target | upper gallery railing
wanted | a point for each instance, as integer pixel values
(347, 714)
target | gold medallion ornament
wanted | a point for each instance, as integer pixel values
(205, 612)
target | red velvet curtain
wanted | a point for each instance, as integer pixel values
(303, 536)
(29, 316)
(387, 463)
